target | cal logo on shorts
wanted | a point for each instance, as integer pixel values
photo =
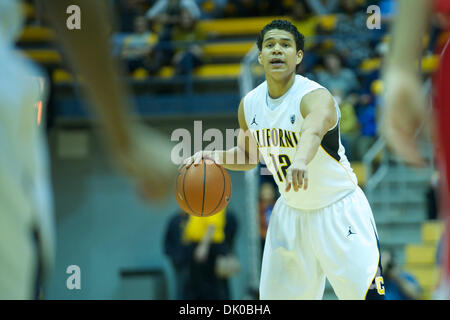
(379, 282)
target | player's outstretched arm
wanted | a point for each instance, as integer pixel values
(404, 104)
(140, 152)
(244, 156)
(320, 115)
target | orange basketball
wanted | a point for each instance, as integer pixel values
(203, 190)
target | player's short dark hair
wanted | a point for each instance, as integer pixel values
(282, 25)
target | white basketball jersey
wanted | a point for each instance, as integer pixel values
(277, 133)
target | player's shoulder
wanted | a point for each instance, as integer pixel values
(254, 96)
(310, 88)
(307, 83)
(261, 88)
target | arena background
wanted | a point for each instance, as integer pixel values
(117, 239)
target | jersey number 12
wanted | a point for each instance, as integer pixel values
(283, 163)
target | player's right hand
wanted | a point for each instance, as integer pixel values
(297, 176)
(196, 159)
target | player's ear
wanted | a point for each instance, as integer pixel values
(299, 56)
(259, 57)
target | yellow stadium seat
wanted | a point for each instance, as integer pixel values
(139, 74)
(151, 39)
(328, 22)
(166, 72)
(369, 65)
(44, 56)
(432, 232)
(205, 71)
(427, 276)
(36, 33)
(233, 49)
(218, 71)
(61, 76)
(377, 87)
(420, 254)
(235, 26)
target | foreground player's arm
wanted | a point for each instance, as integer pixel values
(408, 30)
(89, 52)
(245, 156)
(137, 150)
(404, 108)
(319, 115)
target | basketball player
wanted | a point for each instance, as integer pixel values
(405, 107)
(26, 218)
(322, 225)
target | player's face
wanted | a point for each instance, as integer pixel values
(279, 55)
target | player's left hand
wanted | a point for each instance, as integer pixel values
(297, 176)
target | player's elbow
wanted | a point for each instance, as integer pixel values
(312, 134)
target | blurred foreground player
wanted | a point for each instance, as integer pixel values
(322, 225)
(405, 107)
(26, 217)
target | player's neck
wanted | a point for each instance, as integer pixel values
(278, 87)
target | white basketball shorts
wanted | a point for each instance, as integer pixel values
(338, 242)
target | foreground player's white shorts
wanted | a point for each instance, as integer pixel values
(18, 258)
(339, 242)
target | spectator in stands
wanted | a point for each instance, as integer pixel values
(307, 25)
(167, 14)
(344, 86)
(303, 19)
(368, 104)
(351, 36)
(339, 80)
(212, 9)
(188, 50)
(243, 8)
(323, 7)
(273, 8)
(398, 284)
(137, 47)
(126, 12)
(201, 251)
(366, 111)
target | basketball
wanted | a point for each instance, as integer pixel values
(203, 190)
